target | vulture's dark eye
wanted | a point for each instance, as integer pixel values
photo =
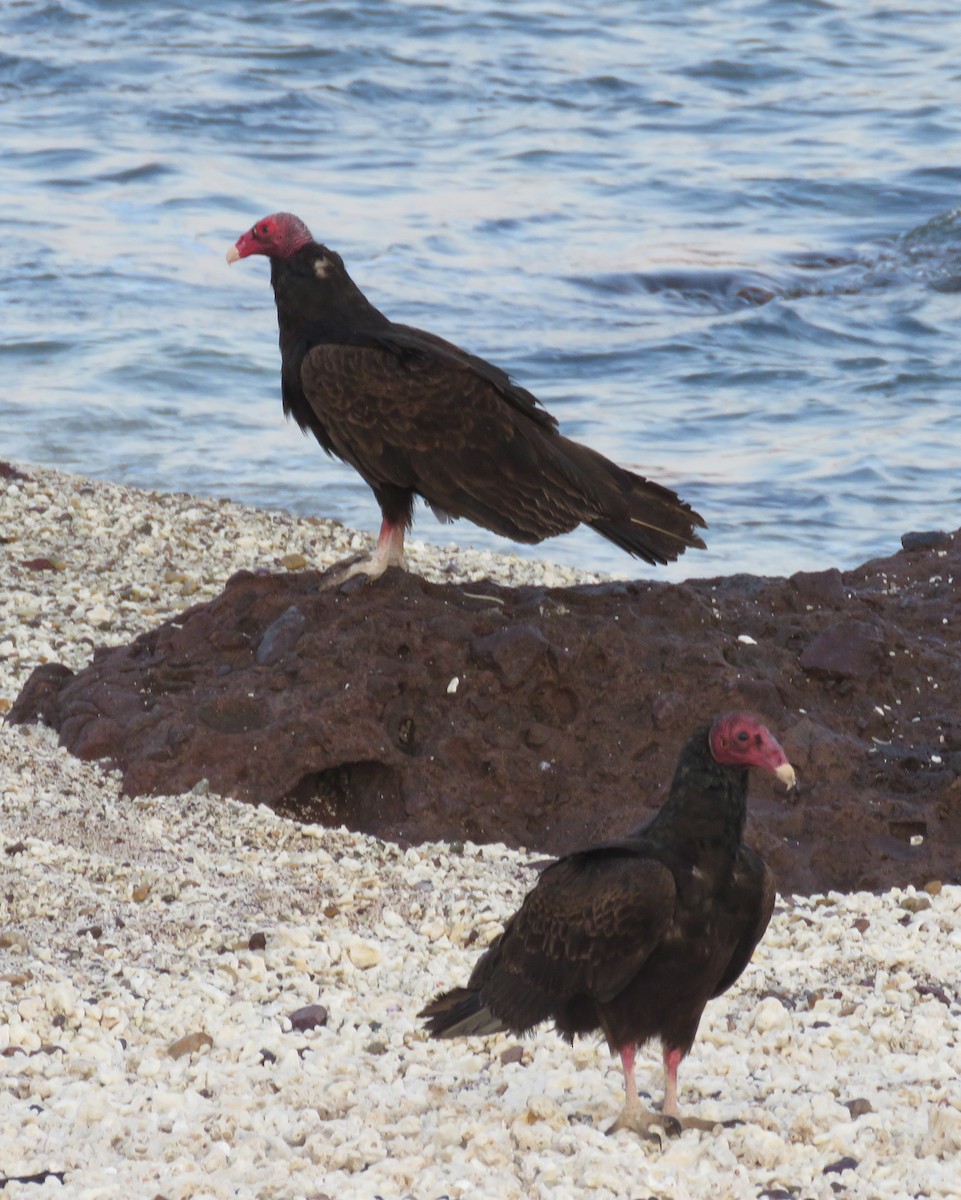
(742, 736)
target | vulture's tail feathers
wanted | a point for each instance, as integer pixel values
(460, 1013)
(642, 517)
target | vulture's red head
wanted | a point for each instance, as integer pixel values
(740, 740)
(277, 236)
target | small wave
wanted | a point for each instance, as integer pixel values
(712, 286)
(144, 173)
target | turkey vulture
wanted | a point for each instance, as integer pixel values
(417, 416)
(633, 937)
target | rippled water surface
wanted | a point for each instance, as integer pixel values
(720, 242)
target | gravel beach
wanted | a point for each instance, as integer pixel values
(156, 953)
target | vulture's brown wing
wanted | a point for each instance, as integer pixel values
(750, 904)
(405, 341)
(437, 425)
(585, 929)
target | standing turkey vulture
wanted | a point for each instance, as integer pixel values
(633, 937)
(417, 416)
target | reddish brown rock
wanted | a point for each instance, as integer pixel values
(549, 718)
(819, 589)
(845, 650)
(42, 564)
(311, 1016)
(931, 539)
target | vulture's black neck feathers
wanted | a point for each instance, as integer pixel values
(317, 301)
(707, 804)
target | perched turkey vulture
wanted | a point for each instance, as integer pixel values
(417, 416)
(633, 937)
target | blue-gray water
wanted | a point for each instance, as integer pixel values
(720, 242)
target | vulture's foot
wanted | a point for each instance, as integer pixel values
(654, 1125)
(702, 1124)
(341, 573)
(365, 569)
(389, 552)
(660, 1126)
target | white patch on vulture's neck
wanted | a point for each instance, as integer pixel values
(321, 267)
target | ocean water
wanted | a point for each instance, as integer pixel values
(720, 242)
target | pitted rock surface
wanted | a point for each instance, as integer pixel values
(552, 718)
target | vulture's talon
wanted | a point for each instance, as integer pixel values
(339, 574)
(652, 1125)
(700, 1123)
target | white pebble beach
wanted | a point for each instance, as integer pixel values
(126, 925)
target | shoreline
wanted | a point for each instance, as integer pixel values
(133, 923)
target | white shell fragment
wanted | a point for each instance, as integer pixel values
(145, 1034)
(363, 955)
